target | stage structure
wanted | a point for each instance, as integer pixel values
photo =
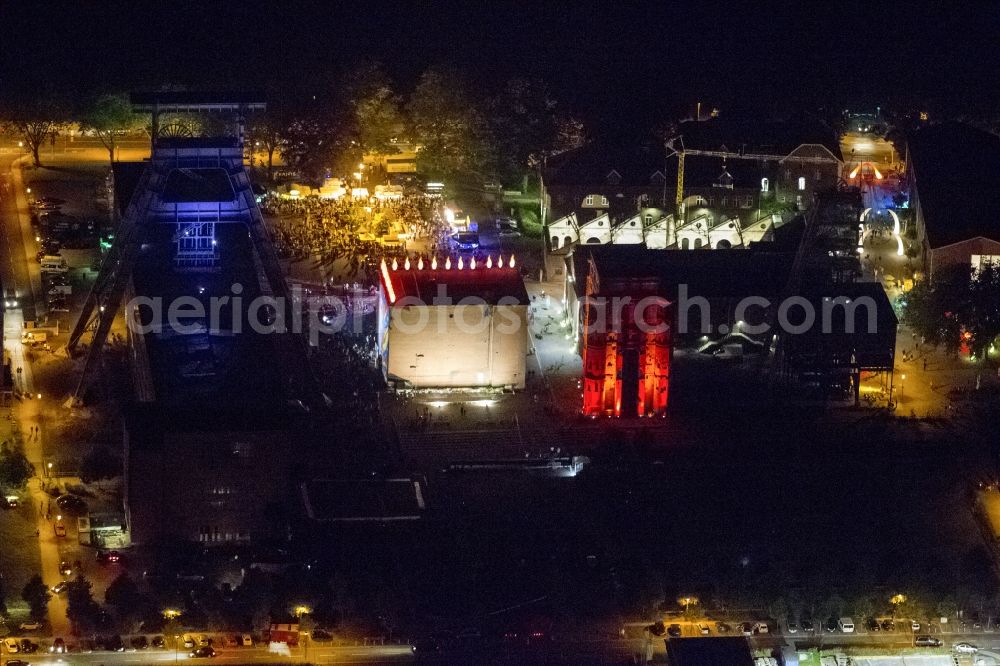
(192, 184)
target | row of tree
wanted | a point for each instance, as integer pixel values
(462, 133)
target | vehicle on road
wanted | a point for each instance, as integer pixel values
(914, 625)
(30, 626)
(509, 233)
(965, 648)
(760, 628)
(60, 587)
(927, 641)
(703, 629)
(10, 502)
(466, 240)
(140, 642)
(425, 646)
(247, 640)
(13, 647)
(746, 628)
(17, 662)
(158, 642)
(202, 652)
(10, 299)
(65, 569)
(674, 631)
(60, 529)
(58, 646)
(723, 628)
(108, 556)
(846, 625)
(793, 628)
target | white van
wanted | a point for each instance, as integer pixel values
(846, 625)
(53, 263)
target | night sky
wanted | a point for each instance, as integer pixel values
(613, 62)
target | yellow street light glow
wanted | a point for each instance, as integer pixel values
(171, 613)
(302, 610)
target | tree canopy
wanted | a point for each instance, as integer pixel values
(958, 305)
(110, 116)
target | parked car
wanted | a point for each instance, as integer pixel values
(27, 646)
(927, 641)
(793, 628)
(58, 646)
(30, 626)
(247, 640)
(703, 629)
(760, 628)
(723, 628)
(965, 648)
(188, 641)
(158, 642)
(807, 625)
(202, 652)
(140, 642)
(746, 628)
(888, 625)
(914, 625)
(65, 569)
(13, 647)
(871, 624)
(674, 631)
(831, 625)
(60, 587)
(231, 641)
(113, 643)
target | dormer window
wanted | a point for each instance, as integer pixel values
(614, 178)
(657, 178)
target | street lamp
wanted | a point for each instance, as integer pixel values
(300, 611)
(687, 602)
(902, 378)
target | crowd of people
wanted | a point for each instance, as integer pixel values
(349, 234)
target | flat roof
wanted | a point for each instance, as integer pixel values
(709, 273)
(714, 651)
(363, 500)
(955, 168)
(426, 285)
(177, 100)
(198, 185)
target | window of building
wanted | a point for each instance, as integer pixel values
(802, 183)
(697, 243)
(657, 178)
(647, 218)
(614, 178)
(588, 201)
(980, 260)
(765, 184)
(685, 243)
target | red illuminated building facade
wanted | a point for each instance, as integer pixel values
(626, 349)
